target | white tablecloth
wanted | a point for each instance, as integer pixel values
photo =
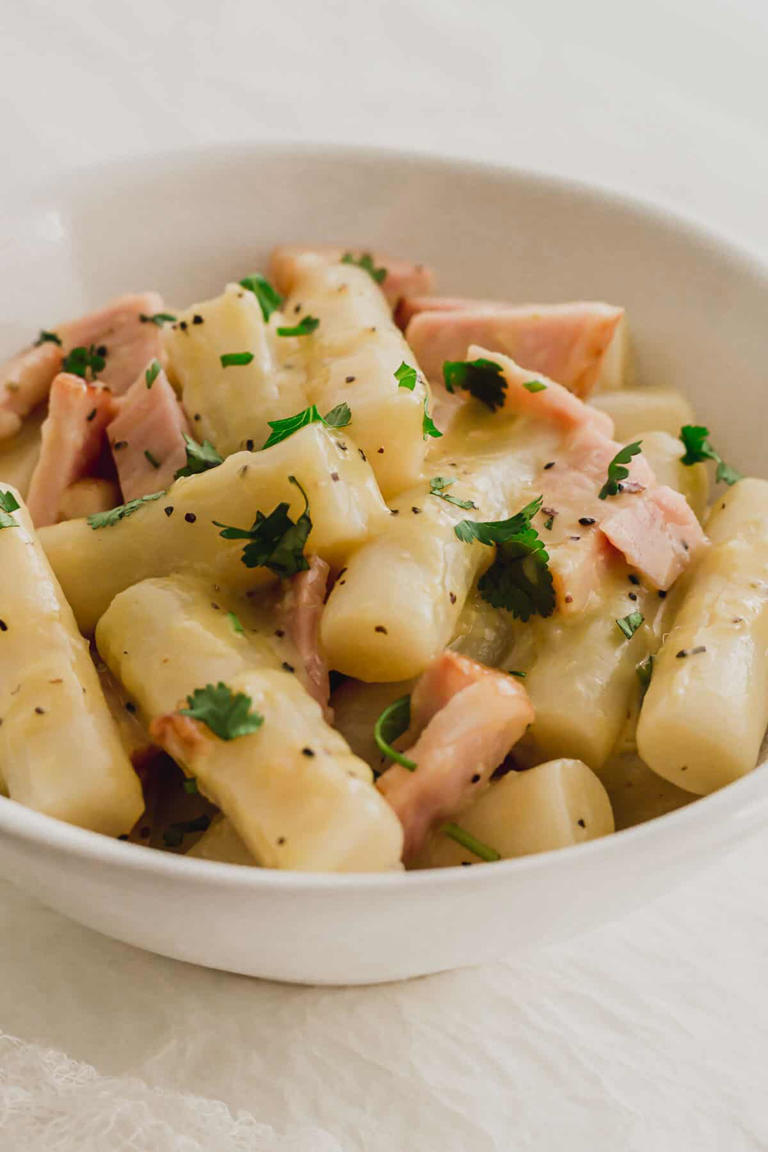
(649, 1034)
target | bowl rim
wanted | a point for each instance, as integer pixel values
(35, 828)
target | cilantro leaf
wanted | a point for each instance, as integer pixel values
(85, 362)
(338, 417)
(484, 379)
(628, 625)
(303, 328)
(152, 373)
(268, 297)
(159, 318)
(695, 439)
(366, 263)
(200, 457)
(226, 713)
(8, 504)
(406, 376)
(391, 724)
(616, 470)
(107, 519)
(428, 426)
(274, 541)
(47, 338)
(437, 486)
(519, 579)
(467, 840)
(235, 359)
(535, 386)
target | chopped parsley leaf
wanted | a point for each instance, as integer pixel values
(159, 318)
(437, 486)
(268, 297)
(152, 459)
(366, 263)
(628, 625)
(8, 504)
(235, 359)
(174, 834)
(234, 620)
(200, 457)
(698, 448)
(428, 426)
(228, 714)
(616, 470)
(85, 362)
(514, 672)
(484, 379)
(467, 840)
(152, 373)
(338, 417)
(519, 579)
(107, 519)
(47, 338)
(406, 376)
(303, 328)
(535, 386)
(275, 541)
(391, 724)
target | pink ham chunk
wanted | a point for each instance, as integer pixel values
(565, 342)
(659, 535)
(468, 736)
(403, 278)
(72, 437)
(301, 610)
(652, 526)
(147, 436)
(26, 378)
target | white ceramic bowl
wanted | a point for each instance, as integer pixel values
(185, 224)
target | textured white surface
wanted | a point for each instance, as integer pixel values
(650, 1034)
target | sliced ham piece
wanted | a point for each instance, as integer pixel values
(301, 610)
(147, 436)
(565, 342)
(72, 436)
(481, 715)
(403, 278)
(26, 378)
(652, 526)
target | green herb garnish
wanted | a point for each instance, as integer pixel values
(152, 459)
(303, 328)
(467, 840)
(391, 724)
(107, 519)
(628, 625)
(406, 376)
(519, 579)
(428, 426)
(437, 486)
(338, 417)
(47, 338)
(234, 620)
(152, 373)
(159, 318)
(228, 714)
(275, 541)
(366, 263)
(200, 457)
(85, 362)
(190, 786)
(535, 386)
(514, 672)
(484, 379)
(698, 448)
(174, 834)
(616, 470)
(8, 504)
(235, 359)
(268, 297)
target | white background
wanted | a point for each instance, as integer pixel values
(650, 1034)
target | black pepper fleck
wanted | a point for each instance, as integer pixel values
(349, 380)
(279, 632)
(581, 824)
(662, 595)
(90, 415)
(633, 595)
(586, 521)
(168, 509)
(382, 629)
(288, 667)
(40, 711)
(197, 318)
(548, 466)
(335, 476)
(3, 626)
(634, 579)
(416, 511)
(249, 445)
(130, 707)
(475, 778)
(190, 517)
(452, 597)
(307, 752)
